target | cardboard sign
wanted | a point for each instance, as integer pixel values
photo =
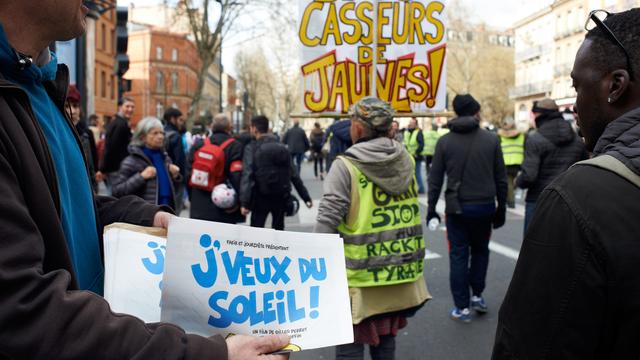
(134, 263)
(341, 40)
(228, 279)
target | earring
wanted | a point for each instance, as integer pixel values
(610, 101)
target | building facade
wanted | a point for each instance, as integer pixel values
(105, 79)
(546, 46)
(163, 70)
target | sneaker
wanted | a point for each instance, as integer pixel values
(478, 304)
(462, 315)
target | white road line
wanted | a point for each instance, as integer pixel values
(504, 250)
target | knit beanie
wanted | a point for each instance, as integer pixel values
(465, 105)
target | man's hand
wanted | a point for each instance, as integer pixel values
(161, 219)
(433, 215)
(244, 211)
(242, 347)
(148, 173)
(174, 170)
(309, 204)
(500, 217)
(100, 177)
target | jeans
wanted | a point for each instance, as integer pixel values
(529, 210)
(419, 176)
(318, 158)
(265, 205)
(297, 160)
(384, 351)
(468, 237)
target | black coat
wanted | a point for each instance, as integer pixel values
(575, 293)
(117, 138)
(41, 310)
(484, 177)
(296, 140)
(201, 205)
(549, 151)
(175, 148)
(128, 180)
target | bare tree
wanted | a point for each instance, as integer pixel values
(256, 78)
(208, 39)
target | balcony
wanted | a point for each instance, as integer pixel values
(565, 33)
(543, 87)
(562, 70)
(532, 53)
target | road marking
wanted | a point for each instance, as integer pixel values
(504, 250)
(430, 255)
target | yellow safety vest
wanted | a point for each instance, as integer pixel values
(383, 242)
(443, 131)
(430, 140)
(512, 150)
(411, 141)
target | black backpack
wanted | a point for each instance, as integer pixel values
(272, 164)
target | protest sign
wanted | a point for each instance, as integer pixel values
(134, 262)
(342, 40)
(228, 279)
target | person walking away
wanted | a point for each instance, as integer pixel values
(174, 130)
(431, 137)
(117, 139)
(549, 151)
(148, 171)
(574, 293)
(472, 160)
(86, 136)
(267, 174)
(339, 137)
(317, 135)
(222, 158)
(297, 143)
(512, 143)
(375, 174)
(414, 142)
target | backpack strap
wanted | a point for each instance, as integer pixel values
(614, 165)
(227, 143)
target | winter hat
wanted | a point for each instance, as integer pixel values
(73, 94)
(545, 105)
(377, 114)
(465, 105)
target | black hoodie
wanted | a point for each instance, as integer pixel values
(484, 180)
(549, 151)
(575, 292)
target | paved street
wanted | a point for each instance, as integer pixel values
(431, 334)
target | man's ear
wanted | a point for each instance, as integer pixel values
(619, 84)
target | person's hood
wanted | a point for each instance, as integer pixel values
(508, 133)
(385, 162)
(463, 124)
(555, 129)
(621, 140)
(342, 130)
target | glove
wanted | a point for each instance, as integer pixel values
(431, 214)
(500, 217)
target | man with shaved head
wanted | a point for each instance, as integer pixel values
(51, 272)
(575, 293)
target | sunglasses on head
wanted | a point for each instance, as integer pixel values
(596, 20)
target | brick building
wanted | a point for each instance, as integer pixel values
(105, 100)
(163, 69)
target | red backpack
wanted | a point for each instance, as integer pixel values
(208, 166)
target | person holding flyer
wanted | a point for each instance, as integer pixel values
(384, 249)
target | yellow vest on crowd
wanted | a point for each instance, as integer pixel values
(383, 242)
(411, 141)
(431, 138)
(513, 150)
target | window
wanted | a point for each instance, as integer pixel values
(114, 83)
(175, 85)
(160, 82)
(113, 42)
(103, 87)
(159, 53)
(103, 37)
(174, 55)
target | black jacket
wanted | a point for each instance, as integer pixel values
(89, 149)
(248, 187)
(549, 151)
(175, 148)
(201, 205)
(484, 177)
(41, 310)
(117, 138)
(128, 180)
(575, 293)
(296, 140)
